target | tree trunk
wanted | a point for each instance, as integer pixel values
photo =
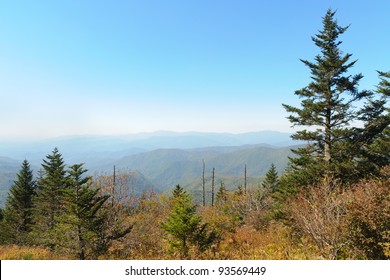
(203, 186)
(327, 144)
(212, 188)
(81, 244)
(245, 180)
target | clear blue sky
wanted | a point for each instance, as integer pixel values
(119, 67)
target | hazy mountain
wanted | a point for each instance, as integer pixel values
(74, 149)
(160, 159)
(88, 148)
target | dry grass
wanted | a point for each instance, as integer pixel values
(14, 252)
(274, 243)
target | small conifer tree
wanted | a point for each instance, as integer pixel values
(271, 180)
(17, 215)
(222, 195)
(177, 192)
(185, 227)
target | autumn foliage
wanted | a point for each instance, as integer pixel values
(331, 202)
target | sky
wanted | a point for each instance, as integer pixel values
(120, 67)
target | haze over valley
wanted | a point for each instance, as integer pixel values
(158, 160)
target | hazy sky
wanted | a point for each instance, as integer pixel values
(119, 67)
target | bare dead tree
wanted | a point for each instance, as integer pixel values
(203, 185)
(113, 188)
(245, 180)
(212, 188)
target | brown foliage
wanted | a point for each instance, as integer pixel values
(370, 219)
(14, 252)
(320, 213)
(275, 243)
(327, 221)
(145, 241)
(346, 222)
(116, 210)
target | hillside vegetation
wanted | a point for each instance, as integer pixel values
(163, 168)
(331, 201)
(167, 167)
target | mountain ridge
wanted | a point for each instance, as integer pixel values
(167, 167)
(177, 159)
(75, 147)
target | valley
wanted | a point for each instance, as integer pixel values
(160, 160)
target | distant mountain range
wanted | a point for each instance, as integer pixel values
(80, 148)
(159, 160)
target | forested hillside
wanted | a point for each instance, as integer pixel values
(167, 167)
(163, 168)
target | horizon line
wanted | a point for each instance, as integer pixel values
(45, 138)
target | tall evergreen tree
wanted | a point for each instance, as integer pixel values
(49, 201)
(79, 225)
(17, 214)
(373, 138)
(384, 85)
(326, 109)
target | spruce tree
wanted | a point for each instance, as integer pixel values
(79, 225)
(49, 201)
(17, 214)
(326, 109)
(222, 195)
(271, 180)
(384, 85)
(185, 227)
(178, 191)
(373, 139)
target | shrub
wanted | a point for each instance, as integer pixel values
(370, 219)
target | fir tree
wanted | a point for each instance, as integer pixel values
(384, 85)
(78, 227)
(222, 195)
(373, 139)
(49, 201)
(185, 227)
(271, 180)
(17, 214)
(240, 191)
(178, 191)
(326, 109)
